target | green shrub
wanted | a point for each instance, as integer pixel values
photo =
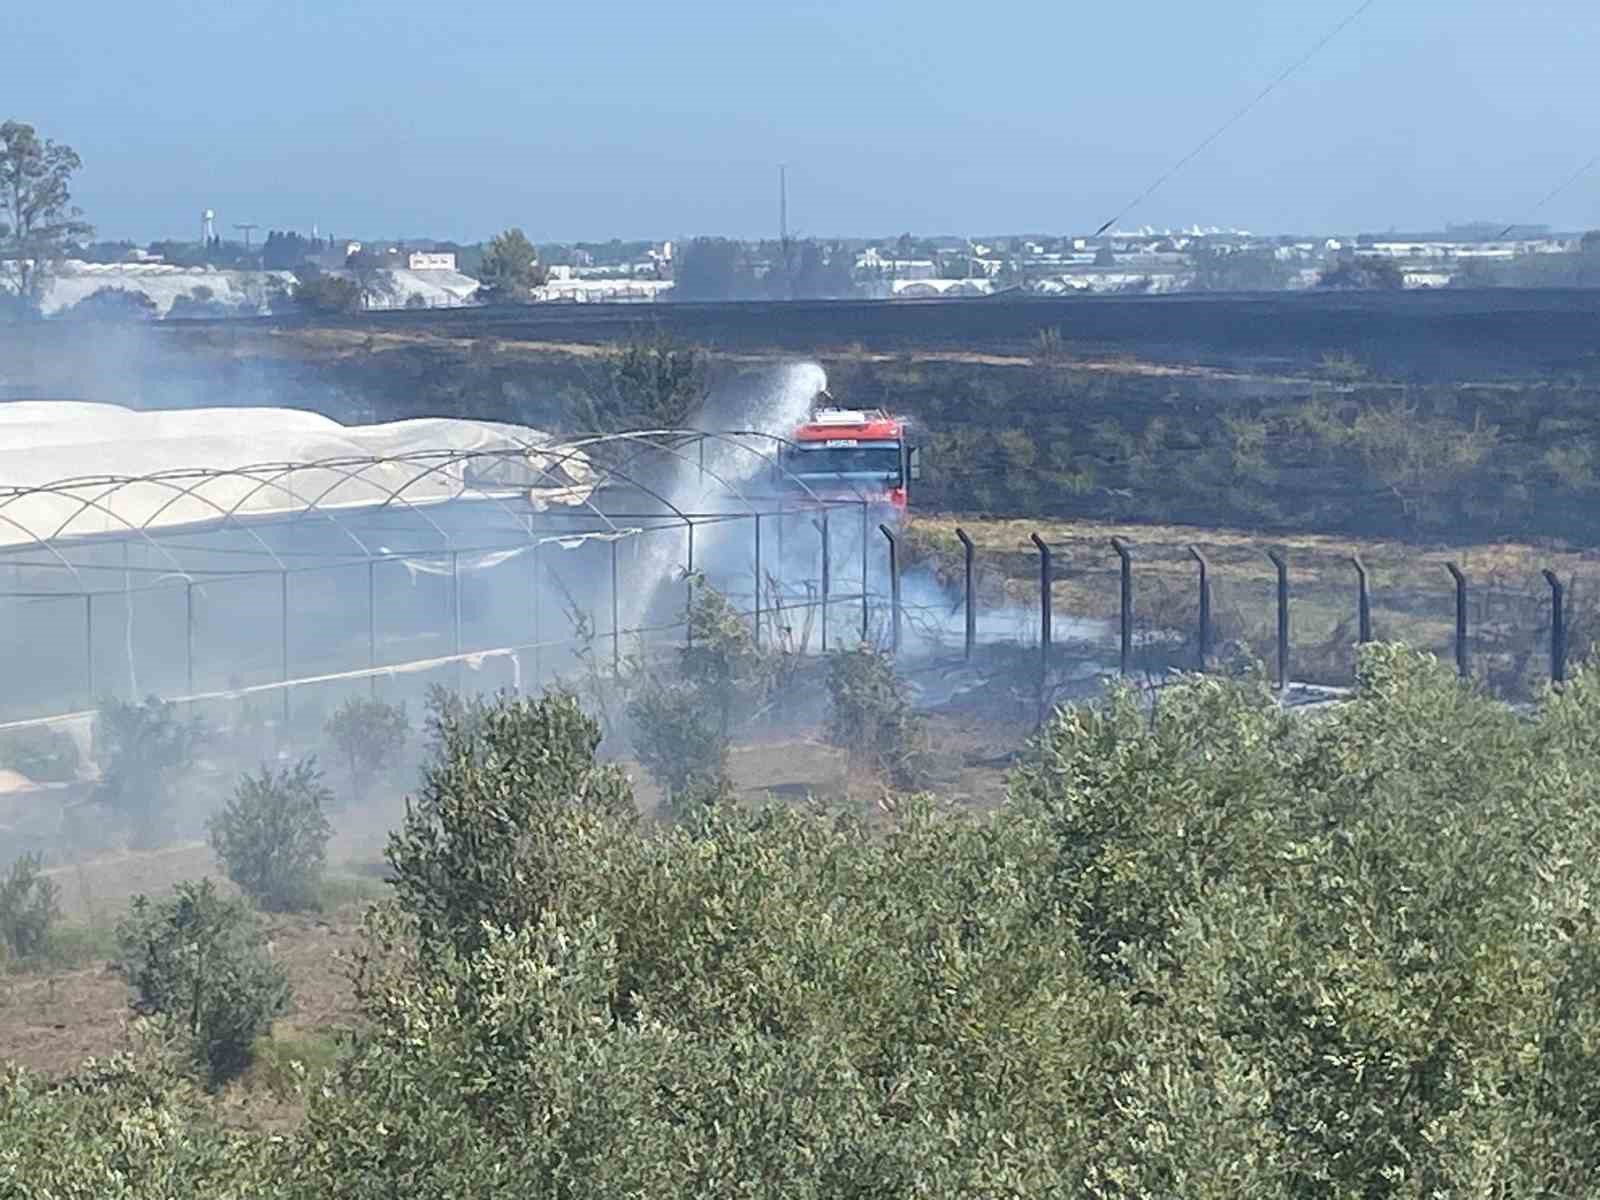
(29, 906)
(508, 783)
(368, 735)
(679, 744)
(145, 751)
(272, 836)
(44, 754)
(199, 962)
(871, 717)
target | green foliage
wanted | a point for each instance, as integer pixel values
(368, 735)
(510, 268)
(272, 836)
(199, 962)
(1363, 272)
(39, 225)
(124, 1128)
(510, 782)
(678, 742)
(318, 292)
(870, 715)
(722, 661)
(44, 754)
(28, 908)
(1210, 949)
(113, 303)
(145, 752)
(644, 383)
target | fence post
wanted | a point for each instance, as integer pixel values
(1282, 565)
(755, 616)
(970, 598)
(894, 589)
(1046, 577)
(1463, 665)
(1363, 601)
(1125, 609)
(1558, 628)
(1205, 606)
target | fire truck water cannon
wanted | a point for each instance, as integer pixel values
(853, 454)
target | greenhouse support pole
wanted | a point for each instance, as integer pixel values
(827, 577)
(756, 617)
(894, 589)
(688, 579)
(455, 617)
(616, 621)
(188, 635)
(538, 650)
(372, 625)
(1046, 578)
(864, 537)
(88, 645)
(283, 630)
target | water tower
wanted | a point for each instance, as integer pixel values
(208, 227)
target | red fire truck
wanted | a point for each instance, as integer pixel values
(852, 454)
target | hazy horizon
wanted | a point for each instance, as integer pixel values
(455, 122)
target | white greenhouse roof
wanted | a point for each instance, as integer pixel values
(71, 469)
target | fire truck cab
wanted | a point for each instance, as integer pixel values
(852, 454)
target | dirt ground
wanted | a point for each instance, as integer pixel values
(52, 1019)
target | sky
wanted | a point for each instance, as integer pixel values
(633, 119)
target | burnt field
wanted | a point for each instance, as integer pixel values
(1421, 335)
(1432, 417)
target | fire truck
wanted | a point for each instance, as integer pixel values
(852, 454)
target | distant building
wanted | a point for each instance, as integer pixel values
(420, 261)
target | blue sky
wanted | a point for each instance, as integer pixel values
(654, 120)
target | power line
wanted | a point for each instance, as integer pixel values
(1557, 190)
(1241, 114)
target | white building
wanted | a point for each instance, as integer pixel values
(432, 262)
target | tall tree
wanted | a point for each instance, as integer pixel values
(38, 224)
(510, 269)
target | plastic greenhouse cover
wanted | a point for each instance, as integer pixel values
(110, 469)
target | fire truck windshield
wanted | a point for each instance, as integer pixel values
(878, 462)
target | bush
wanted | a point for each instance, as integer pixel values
(510, 783)
(368, 736)
(679, 744)
(199, 962)
(871, 717)
(146, 750)
(272, 837)
(28, 908)
(44, 754)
